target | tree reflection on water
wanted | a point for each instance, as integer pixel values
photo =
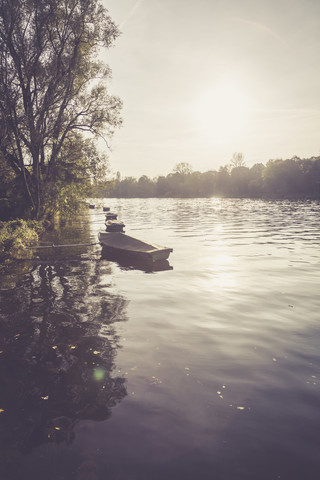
(58, 348)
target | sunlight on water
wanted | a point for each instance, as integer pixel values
(208, 370)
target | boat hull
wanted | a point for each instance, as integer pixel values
(111, 216)
(127, 262)
(118, 243)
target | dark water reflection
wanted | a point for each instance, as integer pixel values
(58, 346)
(209, 370)
(147, 266)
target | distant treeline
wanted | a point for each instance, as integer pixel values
(294, 177)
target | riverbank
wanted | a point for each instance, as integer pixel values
(15, 235)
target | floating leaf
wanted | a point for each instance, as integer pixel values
(155, 380)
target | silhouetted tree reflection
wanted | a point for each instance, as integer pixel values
(58, 346)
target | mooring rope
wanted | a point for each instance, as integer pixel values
(66, 245)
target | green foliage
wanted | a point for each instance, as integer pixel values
(78, 168)
(53, 95)
(17, 234)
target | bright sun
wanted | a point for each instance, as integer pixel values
(222, 111)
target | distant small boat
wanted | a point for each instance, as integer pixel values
(106, 209)
(119, 243)
(113, 226)
(92, 206)
(111, 216)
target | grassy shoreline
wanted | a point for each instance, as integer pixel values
(15, 235)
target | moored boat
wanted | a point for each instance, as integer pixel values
(111, 216)
(114, 226)
(124, 245)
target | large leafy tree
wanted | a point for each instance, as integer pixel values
(53, 94)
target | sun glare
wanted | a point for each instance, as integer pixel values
(222, 111)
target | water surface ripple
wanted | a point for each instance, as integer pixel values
(210, 370)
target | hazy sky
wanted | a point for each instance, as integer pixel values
(202, 79)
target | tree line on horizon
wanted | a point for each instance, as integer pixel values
(279, 178)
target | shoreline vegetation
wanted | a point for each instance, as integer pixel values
(55, 104)
(278, 179)
(15, 235)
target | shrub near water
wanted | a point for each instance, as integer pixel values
(16, 235)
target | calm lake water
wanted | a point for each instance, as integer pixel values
(209, 370)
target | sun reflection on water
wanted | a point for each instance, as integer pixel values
(222, 272)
